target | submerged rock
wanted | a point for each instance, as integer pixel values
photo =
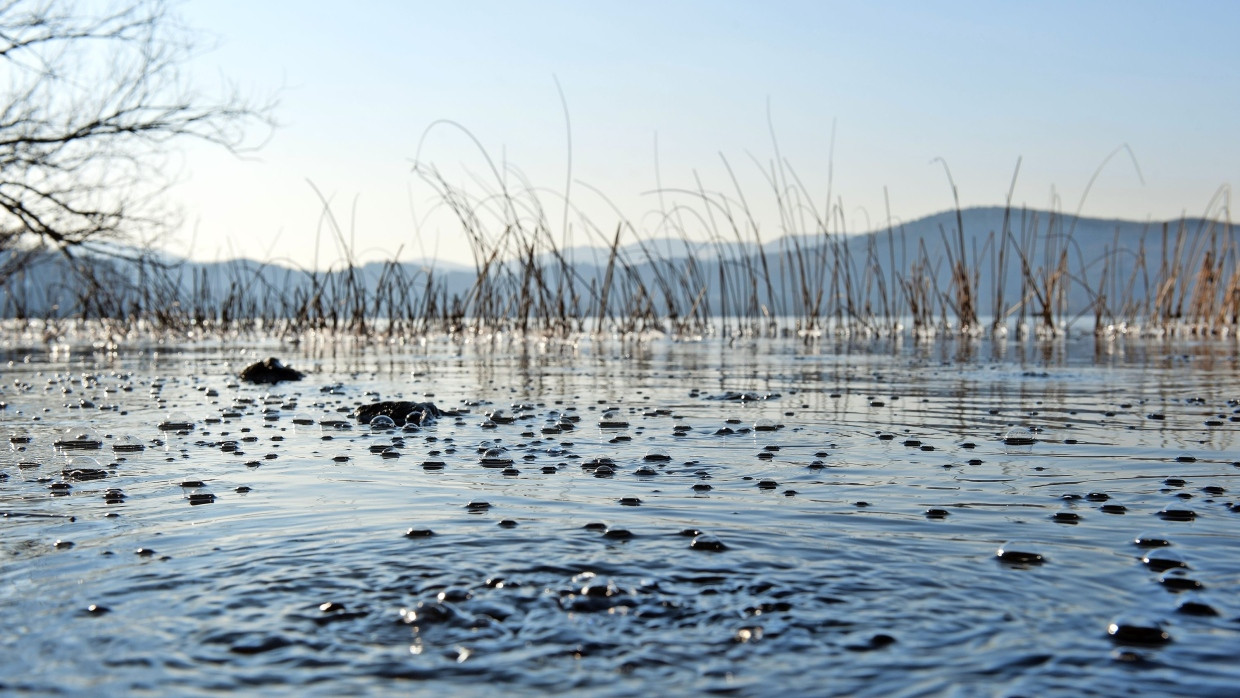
(270, 371)
(402, 412)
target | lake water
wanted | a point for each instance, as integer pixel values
(841, 540)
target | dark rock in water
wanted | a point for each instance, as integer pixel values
(266, 644)
(495, 458)
(402, 412)
(735, 396)
(1150, 540)
(176, 423)
(1019, 441)
(1197, 608)
(454, 595)
(1137, 633)
(876, 642)
(1163, 560)
(1019, 554)
(270, 371)
(594, 464)
(333, 612)
(84, 474)
(79, 441)
(1177, 580)
(705, 541)
(595, 595)
(427, 613)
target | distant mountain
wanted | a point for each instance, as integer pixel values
(1084, 264)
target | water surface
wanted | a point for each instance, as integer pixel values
(846, 528)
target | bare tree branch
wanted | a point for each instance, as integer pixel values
(91, 107)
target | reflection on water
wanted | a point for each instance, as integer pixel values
(609, 517)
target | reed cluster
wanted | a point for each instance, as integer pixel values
(707, 267)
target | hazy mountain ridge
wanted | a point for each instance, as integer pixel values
(726, 276)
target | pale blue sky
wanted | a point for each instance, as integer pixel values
(978, 83)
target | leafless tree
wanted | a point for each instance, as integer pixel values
(94, 99)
